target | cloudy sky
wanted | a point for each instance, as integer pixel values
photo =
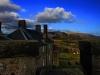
(60, 15)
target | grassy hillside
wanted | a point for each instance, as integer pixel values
(60, 35)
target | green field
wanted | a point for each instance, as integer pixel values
(72, 58)
(69, 56)
(65, 66)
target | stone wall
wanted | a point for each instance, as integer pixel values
(39, 60)
(44, 60)
(41, 49)
(95, 65)
(85, 56)
(56, 58)
(49, 56)
(39, 63)
(11, 48)
(90, 57)
(95, 58)
(18, 66)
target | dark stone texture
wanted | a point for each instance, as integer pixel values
(89, 57)
(19, 48)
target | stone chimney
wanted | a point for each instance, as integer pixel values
(38, 28)
(45, 33)
(0, 26)
(22, 24)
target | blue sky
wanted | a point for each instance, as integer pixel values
(60, 15)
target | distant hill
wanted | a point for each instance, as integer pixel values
(70, 34)
(58, 34)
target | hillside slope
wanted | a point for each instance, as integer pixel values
(70, 34)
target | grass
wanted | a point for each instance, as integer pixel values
(65, 57)
(69, 56)
(62, 65)
(65, 66)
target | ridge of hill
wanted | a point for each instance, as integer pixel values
(71, 35)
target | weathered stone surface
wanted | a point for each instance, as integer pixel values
(13, 61)
(13, 68)
(85, 46)
(90, 57)
(24, 66)
(95, 65)
(95, 48)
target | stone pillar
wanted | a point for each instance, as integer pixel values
(22, 24)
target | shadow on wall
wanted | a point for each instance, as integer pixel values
(89, 57)
(62, 72)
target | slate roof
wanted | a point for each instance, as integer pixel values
(26, 34)
(48, 40)
(2, 37)
(1, 33)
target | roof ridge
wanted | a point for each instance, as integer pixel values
(23, 34)
(27, 34)
(5, 37)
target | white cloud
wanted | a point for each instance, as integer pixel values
(7, 31)
(8, 16)
(29, 23)
(7, 5)
(11, 26)
(53, 15)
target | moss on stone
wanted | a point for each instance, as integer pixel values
(18, 47)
